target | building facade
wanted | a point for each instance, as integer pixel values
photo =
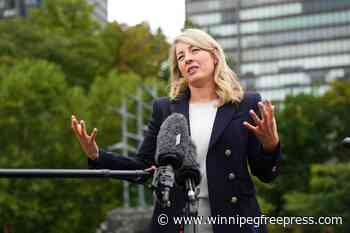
(100, 13)
(280, 47)
(13, 8)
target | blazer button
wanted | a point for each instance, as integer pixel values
(231, 176)
(228, 152)
(234, 200)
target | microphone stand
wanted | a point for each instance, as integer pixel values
(191, 199)
(191, 203)
(71, 173)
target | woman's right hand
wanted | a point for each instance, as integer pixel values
(87, 142)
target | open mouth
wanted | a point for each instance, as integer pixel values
(192, 70)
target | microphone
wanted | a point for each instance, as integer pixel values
(189, 176)
(346, 142)
(190, 167)
(172, 141)
(172, 145)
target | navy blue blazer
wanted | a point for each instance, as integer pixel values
(232, 148)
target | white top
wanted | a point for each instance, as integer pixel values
(202, 117)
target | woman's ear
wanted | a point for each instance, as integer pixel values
(215, 57)
(216, 60)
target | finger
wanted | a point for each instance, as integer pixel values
(83, 128)
(262, 110)
(266, 115)
(151, 169)
(271, 120)
(266, 105)
(74, 121)
(270, 108)
(93, 135)
(250, 127)
(76, 127)
(274, 125)
(255, 117)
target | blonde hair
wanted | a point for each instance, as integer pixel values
(226, 82)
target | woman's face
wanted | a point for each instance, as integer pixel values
(195, 64)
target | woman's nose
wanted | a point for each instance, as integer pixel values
(188, 58)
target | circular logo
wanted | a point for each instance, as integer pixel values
(163, 219)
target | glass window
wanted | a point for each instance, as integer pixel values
(296, 64)
(274, 95)
(295, 37)
(2, 4)
(228, 43)
(31, 2)
(271, 11)
(281, 94)
(10, 4)
(206, 6)
(296, 22)
(335, 74)
(223, 30)
(321, 5)
(206, 19)
(315, 48)
(278, 81)
(247, 3)
(229, 16)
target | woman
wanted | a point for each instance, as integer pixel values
(225, 127)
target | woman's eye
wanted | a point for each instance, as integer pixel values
(195, 49)
(180, 58)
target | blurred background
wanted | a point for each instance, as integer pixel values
(105, 61)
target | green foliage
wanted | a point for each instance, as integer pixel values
(34, 112)
(35, 108)
(54, 63)
(65, 33)
(57, 33)
(143, 53)
(328, 195)
(106, 97)
(311, 129)
(190, 24)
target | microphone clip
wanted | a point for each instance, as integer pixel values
(162, 183)
(192, 192)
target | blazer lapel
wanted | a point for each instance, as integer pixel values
(223, 117)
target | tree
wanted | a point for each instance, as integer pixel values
(64, 32)
(35, 108)
(61, 34)
(311, 129)
(56, 62)
(328, 196)
(142, 52)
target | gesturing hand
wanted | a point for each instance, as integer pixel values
(87, 142)
(266, 127)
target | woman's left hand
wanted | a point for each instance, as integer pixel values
(266, 127)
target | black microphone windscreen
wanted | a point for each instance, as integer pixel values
(190, 167)
(172, 141)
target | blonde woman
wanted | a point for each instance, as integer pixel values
(231, 130)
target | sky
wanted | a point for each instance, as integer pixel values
(169, 15)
